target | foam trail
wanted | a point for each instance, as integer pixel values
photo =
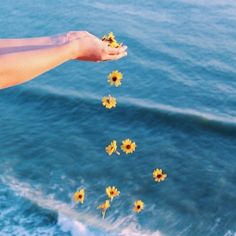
(72, 226)
(71, 220)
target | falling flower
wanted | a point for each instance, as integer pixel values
(104, 206)
(115, 77)
(159, 175)
(79, 196)
(112, 192)
(138, 206)
(109, 102)
(112, 148)
(110, 38)
(128, 146)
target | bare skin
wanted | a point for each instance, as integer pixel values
(22, 60)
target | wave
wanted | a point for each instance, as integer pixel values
(143, 109)
(185, 114)
(73, 222)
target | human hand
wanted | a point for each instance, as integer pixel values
(90, 48)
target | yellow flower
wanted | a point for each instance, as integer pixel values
(111, 148)
(104, 206)
(138, 206)
(110, 38)
(112, 192)
(109, 102)
(115, 44)
(128, 146)
(159, 175)
(115, 77)
(79, 196)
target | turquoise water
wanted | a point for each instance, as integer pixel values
(177, 101)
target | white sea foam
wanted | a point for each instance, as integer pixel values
(72, 226)
(21, 231)
(70, 220)
(230, 233)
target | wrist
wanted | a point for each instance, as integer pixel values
(73, 49)
(60, 39)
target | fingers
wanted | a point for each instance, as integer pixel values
(115, 57)
(115, 51)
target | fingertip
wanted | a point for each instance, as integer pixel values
(124, 54)
(123, 49)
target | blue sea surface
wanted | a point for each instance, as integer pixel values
(177, 102)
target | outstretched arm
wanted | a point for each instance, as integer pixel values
(41, 41)
(6, 43)
(22, 66)
(25, 44)
(19, 67)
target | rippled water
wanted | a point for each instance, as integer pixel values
(177, 101)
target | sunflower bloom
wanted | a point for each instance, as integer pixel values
(115, 77)
(110, 38)
(128, 146)
(104, 206)
(159, 175)
(112, 148)
(79, 196)
(115, 44)
(138, 206)
(109, 102)
(112, 192)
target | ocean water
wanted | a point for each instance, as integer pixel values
(177, 101)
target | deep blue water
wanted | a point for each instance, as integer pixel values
(177, 101)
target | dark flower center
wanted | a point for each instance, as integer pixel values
(128, 146)
(110, 40)
(138, 207)
(159, 176)
(80, 196)
(114, 78)
(108, 100)
(112, 192)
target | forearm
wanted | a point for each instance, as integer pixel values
(40, 41)
(19, 67)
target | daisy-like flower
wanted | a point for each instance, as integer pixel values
(109, 102)
(159, 175)
(115, 44)
(112, 192)
(138, 206)
(115, 77)
(104, 206)
(110, 38)
(112, 148)
(79, 196)
(128, 146)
